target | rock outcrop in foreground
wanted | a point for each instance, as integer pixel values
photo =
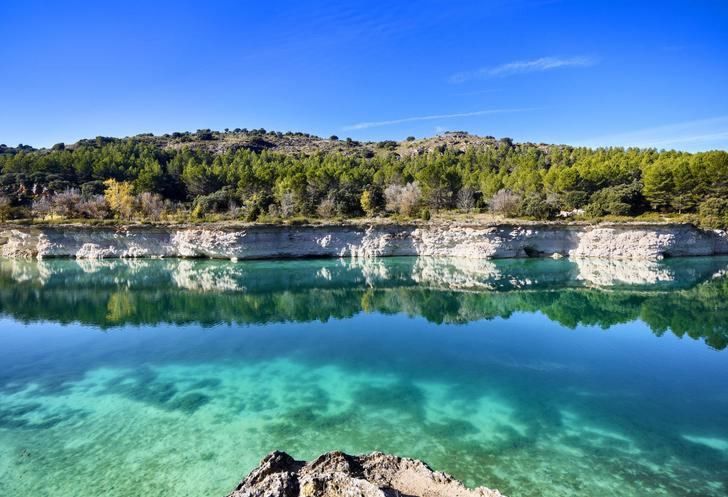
(336, 474)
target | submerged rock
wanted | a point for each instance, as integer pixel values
(336, 474)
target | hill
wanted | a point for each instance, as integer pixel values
(259, 174)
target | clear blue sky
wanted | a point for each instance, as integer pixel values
(578, 72)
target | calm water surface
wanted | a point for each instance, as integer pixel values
(537, 377)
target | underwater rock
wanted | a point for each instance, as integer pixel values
(336, 474)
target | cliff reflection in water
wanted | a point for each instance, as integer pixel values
(683, 296)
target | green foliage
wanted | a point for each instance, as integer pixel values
(620, 200)
(574, 199)
(221, 201)
(713, 213)
(607, 181)
(538, 206)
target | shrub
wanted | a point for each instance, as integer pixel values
(219, 201)
(151, 205)
(538, 206)
(92, 188)
(619, 200)
(287, 204)
(505, 202)
(94, 207)
(327, 207)
(5, 207)
(466, 199)
(66, 203)
(372, 200)
(573, 200)
(403, 199)
(119, 197)
(258, 203)
(204, 134)
(42, 206)
(713, 213)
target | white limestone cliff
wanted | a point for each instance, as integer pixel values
(626, 241)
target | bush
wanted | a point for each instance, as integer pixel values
(287, 204)
(119, 197)
(151, 205)
(403, 199)
(5, 207)
(327, 207)
(573, 200)
(204, 134)
(619, 200)
(372, 200)
(538, 207)
(94, 207)
(505, 202)
(466, 199)
(258, 203)
(92, 188)
(66, 203)
(713, 213)
(220, 201)
(42, 206)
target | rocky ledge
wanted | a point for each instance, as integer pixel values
(336, 474)
(615, 241)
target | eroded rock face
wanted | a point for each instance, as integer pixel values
(336, 474)
(356, 241)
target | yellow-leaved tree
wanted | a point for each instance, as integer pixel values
(119, 196)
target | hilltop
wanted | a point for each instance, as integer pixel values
(293, 143)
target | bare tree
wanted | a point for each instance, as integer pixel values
(66, 203)
(151, 205)
(505, 202)
(403, 199)
(327, 207)
(42, 206)
(94, 207)
(288, 204)
(5, 205)
(466, 199)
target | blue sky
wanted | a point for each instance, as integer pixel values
(577, 72)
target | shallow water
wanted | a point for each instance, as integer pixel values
(536, 377)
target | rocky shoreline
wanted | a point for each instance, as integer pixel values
(336, 474)
(609, 241)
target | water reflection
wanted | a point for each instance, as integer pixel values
(520, 403)
(684, 296)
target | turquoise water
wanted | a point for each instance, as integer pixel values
(536, 377)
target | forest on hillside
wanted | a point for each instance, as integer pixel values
(176, 179)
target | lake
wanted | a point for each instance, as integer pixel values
(537, 377)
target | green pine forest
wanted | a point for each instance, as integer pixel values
(268, 176)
